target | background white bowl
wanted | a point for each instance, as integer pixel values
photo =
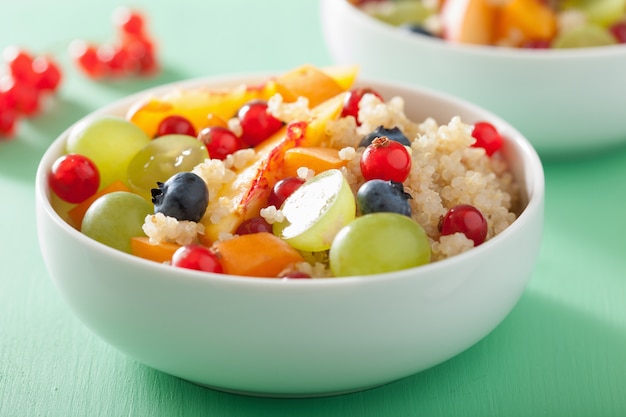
(301, 337)
(566, 102)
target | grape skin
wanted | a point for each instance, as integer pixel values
(378, 243)
(110, 142)
(115, 218)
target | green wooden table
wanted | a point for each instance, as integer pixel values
(561, 352)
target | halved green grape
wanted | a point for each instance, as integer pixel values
(110, 142)
(316, 211)
(402, 12)
(584, 36)
(377, 243)
(161, 158)
(115, 218)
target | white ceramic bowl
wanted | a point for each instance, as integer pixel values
(300, 337)
(566, 102)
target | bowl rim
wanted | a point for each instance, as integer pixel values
(532, 164)
(480, 50)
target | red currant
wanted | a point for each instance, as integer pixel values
(253, 225)
(619, 31)
(283, 189)
(387, 160)
(220, 141)
(487, 137)
(352, 100)
(465, 219)
(128, 21)
(197, 257)
(295, 275)
(257, 124)
(21, 65)
(8, 121)
(25, 98)
(49, 74)
(175, 124)
(74, 178)
(86, 56)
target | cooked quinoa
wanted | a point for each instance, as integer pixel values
(446, 171)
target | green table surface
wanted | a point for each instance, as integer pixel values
(561, 351)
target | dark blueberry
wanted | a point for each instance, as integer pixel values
(183, 196)
(386, 196)
(417, 28)
(393, 134)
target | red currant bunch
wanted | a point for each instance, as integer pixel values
(29, 78)
(386, 159)
(132, 53)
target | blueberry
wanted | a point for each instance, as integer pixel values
(417, 28)
(393, 134)
(183, 196)
(383, 196)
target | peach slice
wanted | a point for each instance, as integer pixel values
(528, 20)
(196, 105)
(315, 84)
(316, 158)
(241, 255)
(158, 252)
(468, 21)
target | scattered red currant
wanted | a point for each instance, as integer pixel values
(253, 225)
(133, 53)
(197, 257)
(487, 137)
(174, 124)
(74, 178)
(387, 160)
(352, 100)
(465, 219)
(283, 189)
(257, 124)
(220, 141)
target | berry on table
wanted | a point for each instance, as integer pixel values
(197, 257)
(386, 159)
(183, 196)
(74, 178)
(465, 219)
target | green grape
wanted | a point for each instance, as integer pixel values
(316, 211)
(162, 158)
(115, 218)
(110, 142)
(584, 36)
(377, 243)
(600, 12)
(398, 13)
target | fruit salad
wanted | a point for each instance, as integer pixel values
(537, 24)
(304, 176)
